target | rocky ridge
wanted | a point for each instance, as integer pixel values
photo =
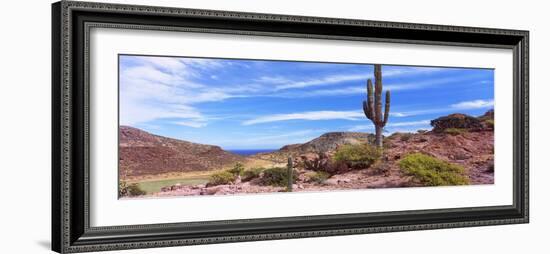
(142, 153)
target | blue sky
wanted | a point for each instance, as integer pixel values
(255, 104)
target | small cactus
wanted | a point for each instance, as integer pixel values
(373, 105)
(289, 174)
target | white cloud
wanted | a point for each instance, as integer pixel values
(390, 125)
(194, 124)
(411, 123)
(328, 80)
(161, 87)
(361, 89)
(475, 104)
(311, 115)
(284, 83)
(398, 114)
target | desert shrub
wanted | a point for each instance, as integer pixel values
(237, 169)
(454, 131)
(129, 190)
(251, 173)
(432, 171)
(422, 131)
(277, 176)
(224, 177)
(357, 155)
(318, 163)
(318, 177)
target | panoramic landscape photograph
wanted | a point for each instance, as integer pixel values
(210, 126)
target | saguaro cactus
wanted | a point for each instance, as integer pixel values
(373, 105)
(289, 172)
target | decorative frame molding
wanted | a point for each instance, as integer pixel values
(71, 22)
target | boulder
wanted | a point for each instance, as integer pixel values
(458, 121)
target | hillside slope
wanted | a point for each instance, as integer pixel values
(325, 143)
(142, 153)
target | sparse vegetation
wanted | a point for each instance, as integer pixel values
(358, 156)
(318, 177)
(224, 177)
(318, 163)
(277, 176)
(237, 169)
(129, 190)
(251, 173)
(455, 131)
(432, 171)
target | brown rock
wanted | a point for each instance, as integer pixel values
(458, 121)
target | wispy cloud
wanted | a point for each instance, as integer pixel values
(327, 80)
(163, 87)
(350, 90)
(283, 83)
(390, 125)
(311, 115)
(194, 124)
(475, 104)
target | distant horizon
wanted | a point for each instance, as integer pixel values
(253, 104)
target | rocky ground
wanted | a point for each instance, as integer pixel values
(456, 138)
(472, 150)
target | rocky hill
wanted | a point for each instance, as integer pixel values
(142, 153)
(325, 143)
(459, 139)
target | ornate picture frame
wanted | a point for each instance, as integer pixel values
(71, 196)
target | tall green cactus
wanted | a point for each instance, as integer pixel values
(373, 105)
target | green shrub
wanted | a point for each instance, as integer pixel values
(237, 169)
(250, 174)
(318, 177)
(224, 177)
(357, 155)
(129, 190)
(432, 171)
(277, 177)
(454, 131)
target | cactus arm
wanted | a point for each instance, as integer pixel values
(387, 108)
(368, 106)
(366, 110)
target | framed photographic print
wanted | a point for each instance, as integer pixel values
(181, 126)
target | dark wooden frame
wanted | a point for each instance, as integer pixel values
(71, 22)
